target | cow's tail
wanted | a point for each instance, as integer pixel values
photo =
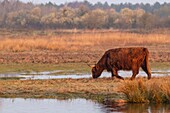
(147, 65)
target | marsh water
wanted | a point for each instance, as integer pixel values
(19, 105)
(55, 75)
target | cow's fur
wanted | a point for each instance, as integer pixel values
(123, 59)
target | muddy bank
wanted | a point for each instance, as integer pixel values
(67, 57)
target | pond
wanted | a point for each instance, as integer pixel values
(18, 105)
(54, 75)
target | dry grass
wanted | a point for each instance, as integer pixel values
(45, 88)
(81, 41)
(32, 44)
(59, 86)
(141, 90)
(156, 90)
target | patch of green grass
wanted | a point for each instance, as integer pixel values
(66, 68)
(9, 68)
(72, 68)
(160, 65)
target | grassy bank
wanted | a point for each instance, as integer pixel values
(102, 89)
(59, 88)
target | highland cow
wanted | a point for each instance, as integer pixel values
(117, 59)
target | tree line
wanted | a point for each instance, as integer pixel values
(83, 15)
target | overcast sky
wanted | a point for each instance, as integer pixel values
(94, 1)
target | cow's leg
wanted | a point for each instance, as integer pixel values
(146, 70)
(135, 70)
(115, 73)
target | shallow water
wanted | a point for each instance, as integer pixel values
(48, 106)
(104, 74)
(19, 105)
(50, 75)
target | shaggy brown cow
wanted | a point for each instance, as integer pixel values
(123, 59)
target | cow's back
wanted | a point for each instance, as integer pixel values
(122, 58)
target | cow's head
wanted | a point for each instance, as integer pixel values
(95, 71)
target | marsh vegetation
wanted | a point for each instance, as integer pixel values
(71, 51)
(59, 41)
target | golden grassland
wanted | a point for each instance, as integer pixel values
(84, 40)
(53, 46)
(141, 90)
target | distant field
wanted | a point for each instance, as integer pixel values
(16, 41)
(67, 44)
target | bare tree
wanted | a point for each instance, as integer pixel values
(95, 19)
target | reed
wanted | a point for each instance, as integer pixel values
(84, 40)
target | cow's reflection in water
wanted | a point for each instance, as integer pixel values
(137, 108)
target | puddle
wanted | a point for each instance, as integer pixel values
(51, 75)
(18, 105)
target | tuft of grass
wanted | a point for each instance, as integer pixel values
(159, 91)
(156, 90)
(135, 91)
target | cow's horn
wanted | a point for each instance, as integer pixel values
(91, 65)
